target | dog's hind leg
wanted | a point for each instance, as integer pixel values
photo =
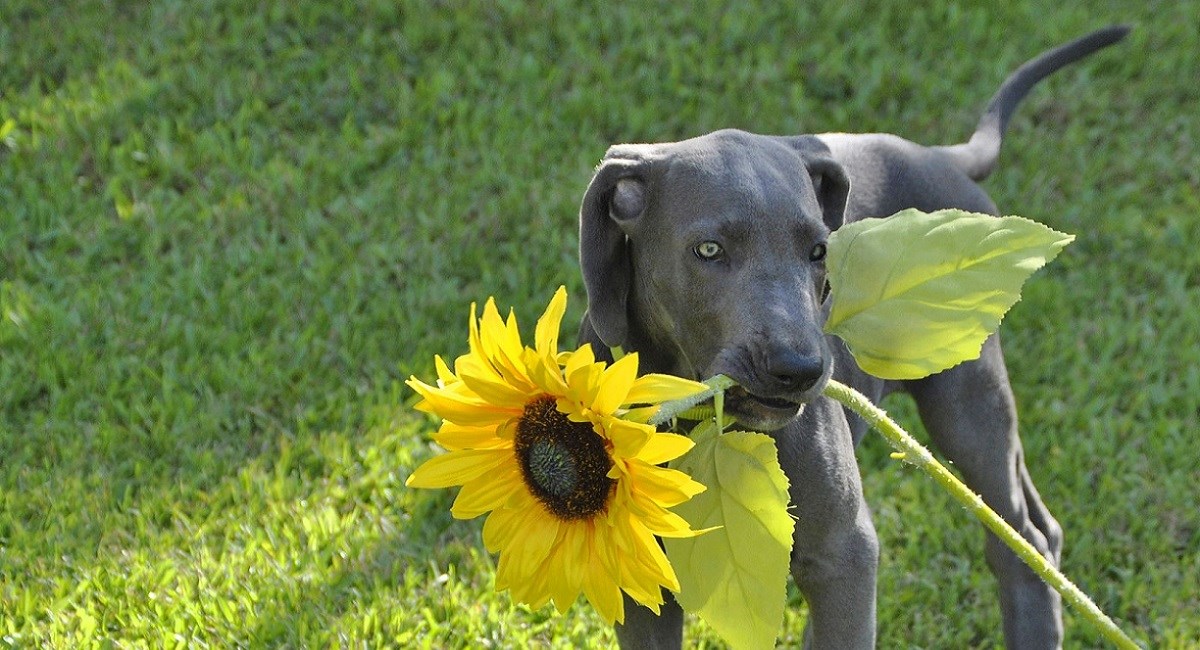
(970, 413)
(1039, 514)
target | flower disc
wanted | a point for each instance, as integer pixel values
(564, 463)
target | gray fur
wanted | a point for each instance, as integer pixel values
(755, 312)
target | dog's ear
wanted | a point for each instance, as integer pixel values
(831, 186)
(613, 202)
(829, 179)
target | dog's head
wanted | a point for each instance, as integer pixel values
(707, 256)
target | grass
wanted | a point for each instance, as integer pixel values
(230, 229)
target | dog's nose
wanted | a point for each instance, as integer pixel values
(794, 371)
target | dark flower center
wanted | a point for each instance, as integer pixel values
(564, 463)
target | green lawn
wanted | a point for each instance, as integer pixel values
(229, 230)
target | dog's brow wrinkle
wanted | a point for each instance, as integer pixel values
(734, 228)
(807, 229)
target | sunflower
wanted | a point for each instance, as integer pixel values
(553, 447)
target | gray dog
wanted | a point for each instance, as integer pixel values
(706, 257)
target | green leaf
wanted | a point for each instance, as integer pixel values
(917, 293)
(735, 577)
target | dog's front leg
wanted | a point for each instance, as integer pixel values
(835, 555)
(645, 630)
(838, 582)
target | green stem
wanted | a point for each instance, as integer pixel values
(675, 408)
(913, 452)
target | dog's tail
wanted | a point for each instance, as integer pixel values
(977, 158)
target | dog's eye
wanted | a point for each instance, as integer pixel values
(817, 253)
(709, 250)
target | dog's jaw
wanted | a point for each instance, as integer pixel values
(760, 414)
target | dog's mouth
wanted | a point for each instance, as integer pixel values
(778, 403)
(759, 412)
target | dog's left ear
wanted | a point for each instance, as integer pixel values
(829, 179)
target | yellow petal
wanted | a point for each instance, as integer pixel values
(474, 341)
(534, 591)
(641, 506)
(628, 437)
(491, 326)
(457, 468)
(603, 548)
(646, 595)
(451, 405)
(470, 414)
(420, 388)
(564, 574)
(575, 553)
(615, 384)
(618, 523)
(546, 333)
(578, 359)
(488, 492)
(497, 393)
(651, 551)
(523, 534)
(655, 388)
(662, 447)
(665, 487)
(504, 573)
(600, 579)
(445, 377)
(545, 373)
(507, 432)
(510, 327)
(500, 526)
(460, 391)
(478, 365)
(454, 437)
(455, 389)
(571, 409)
(515, 353)
(502, 343)
(640, 576)
(664, 523)
(532, 542)
(481, 350)
(619, 472)
(583, 375)
(603, 593)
